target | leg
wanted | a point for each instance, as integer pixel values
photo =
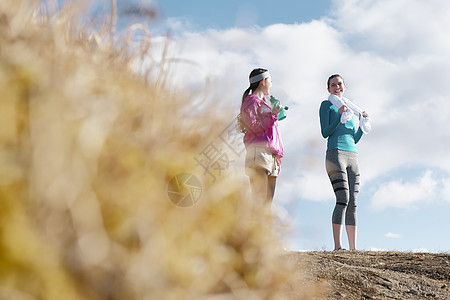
(263, 189)
(260, 185)
(272, 182)
(336, 169)
(350, 217)
(351, 234)
(337, 233)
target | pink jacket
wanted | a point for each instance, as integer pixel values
(261, 126)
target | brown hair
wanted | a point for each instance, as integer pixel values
(333, 76)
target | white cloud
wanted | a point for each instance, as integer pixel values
(445, 193)
(396, 66)
(392, 235)
(400, 194)
(314, 187)
(421, 250)
(179, 24)
(376, 249)
(383, 25)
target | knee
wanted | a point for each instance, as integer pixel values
(341, 204)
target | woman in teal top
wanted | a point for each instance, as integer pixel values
(341, 163)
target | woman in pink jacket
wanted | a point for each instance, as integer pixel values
(262, 138)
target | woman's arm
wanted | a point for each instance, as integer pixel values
(327, 129)
(257, 118)
(358, 135)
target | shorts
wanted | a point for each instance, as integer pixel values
(260, 157)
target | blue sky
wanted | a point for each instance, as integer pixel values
(396, 66)
(226, 14)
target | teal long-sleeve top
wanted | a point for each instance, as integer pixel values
(340, 136)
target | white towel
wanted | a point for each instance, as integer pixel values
(352, 108)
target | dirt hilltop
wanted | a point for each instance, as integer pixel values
(376, 275)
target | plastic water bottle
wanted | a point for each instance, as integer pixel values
(273, 102)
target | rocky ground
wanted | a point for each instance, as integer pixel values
(376, 275)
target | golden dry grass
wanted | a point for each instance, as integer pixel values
(88, 147)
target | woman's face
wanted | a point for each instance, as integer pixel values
(267, 85)
(337, 86)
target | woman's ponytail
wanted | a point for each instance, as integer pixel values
(240, 122)
(247, 91)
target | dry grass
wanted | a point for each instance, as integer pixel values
(88, 147)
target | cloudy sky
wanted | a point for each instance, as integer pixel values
(394, 57)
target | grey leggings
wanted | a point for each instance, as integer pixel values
(343, 171)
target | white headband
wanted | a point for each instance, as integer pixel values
(259, 77)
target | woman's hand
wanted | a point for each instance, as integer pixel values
(276, 109)
(364, 114)
(342, 109)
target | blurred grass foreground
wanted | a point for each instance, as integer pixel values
(87, 154)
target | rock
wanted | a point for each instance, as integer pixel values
(414, 292)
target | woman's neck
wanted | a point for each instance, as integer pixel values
(259, 94)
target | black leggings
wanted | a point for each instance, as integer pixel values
(343, 170)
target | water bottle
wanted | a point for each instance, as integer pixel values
(273, 102)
